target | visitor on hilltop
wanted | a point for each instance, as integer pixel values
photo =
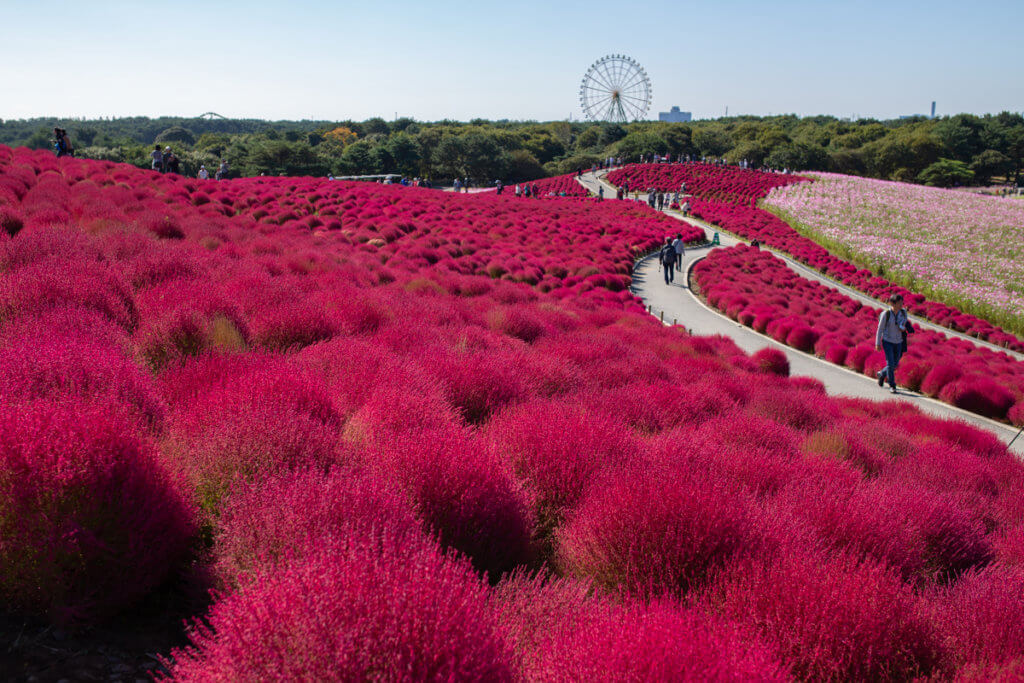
(157, 157)
(465, 184)
(456, 185)
(680, 248)
(62, 143)
(498, 186)
(171, 162)
(667, 257)
(518, 191)
(203, 173)
(686, 209)
(891, 338)
(600, 193)
(165, 159)
(222, 171)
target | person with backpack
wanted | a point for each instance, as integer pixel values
(62, 143)
(157, 157)
(667, 257)
(891, 338)
(172, 163)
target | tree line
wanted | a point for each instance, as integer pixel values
(964, 149)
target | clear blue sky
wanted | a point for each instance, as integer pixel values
(519, 59)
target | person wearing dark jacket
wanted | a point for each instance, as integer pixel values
(667, 257)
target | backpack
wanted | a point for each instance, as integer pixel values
(668, 255)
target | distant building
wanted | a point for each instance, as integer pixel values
(675, 116)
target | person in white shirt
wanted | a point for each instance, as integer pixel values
(203, 173)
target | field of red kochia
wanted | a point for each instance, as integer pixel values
(413, 435)
(759, 290)
(727, 197)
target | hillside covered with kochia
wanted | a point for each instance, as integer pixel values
(415, 434)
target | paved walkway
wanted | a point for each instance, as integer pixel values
(675, 302)
(591, 182)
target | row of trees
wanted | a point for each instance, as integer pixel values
(962, 149)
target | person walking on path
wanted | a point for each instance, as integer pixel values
(891, 339)
(600, 193)
(667, 256)
(222, 172)
(680, 248)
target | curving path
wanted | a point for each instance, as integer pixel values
(675, 302)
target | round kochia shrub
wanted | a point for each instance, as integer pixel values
(245, 419)
(358, 607)
(556, 448)
(654, 529)
(89, 520)
(771, 361)
(979, 395)
(938, 377)
(276, 519)
(471, 501)
(563, 632)
(831, 617)
(982, 619)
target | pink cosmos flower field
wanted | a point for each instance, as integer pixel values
(963, 249)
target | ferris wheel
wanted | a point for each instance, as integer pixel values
(615, 88)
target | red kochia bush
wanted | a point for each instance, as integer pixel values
(556, 448)
(982, 619)
(654, 529)
(89, 521)
(830, 617)
(562, 633)
(359, 607)
(772, 361)
(247, 419)
(979, 395)
(274, 520)
(469, 499)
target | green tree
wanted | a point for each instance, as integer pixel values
(798, 156)
(750, 150)
(176, 134)
(589, 138)
(961, 136)
(679, 138)
(641, 142)
(712, 142)
(990, 163)
(448, 157)
(405, 151)
(946, 173)
(358, 159)
(524, 166)
(611, 133)
(276, 157)
(375, 125)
